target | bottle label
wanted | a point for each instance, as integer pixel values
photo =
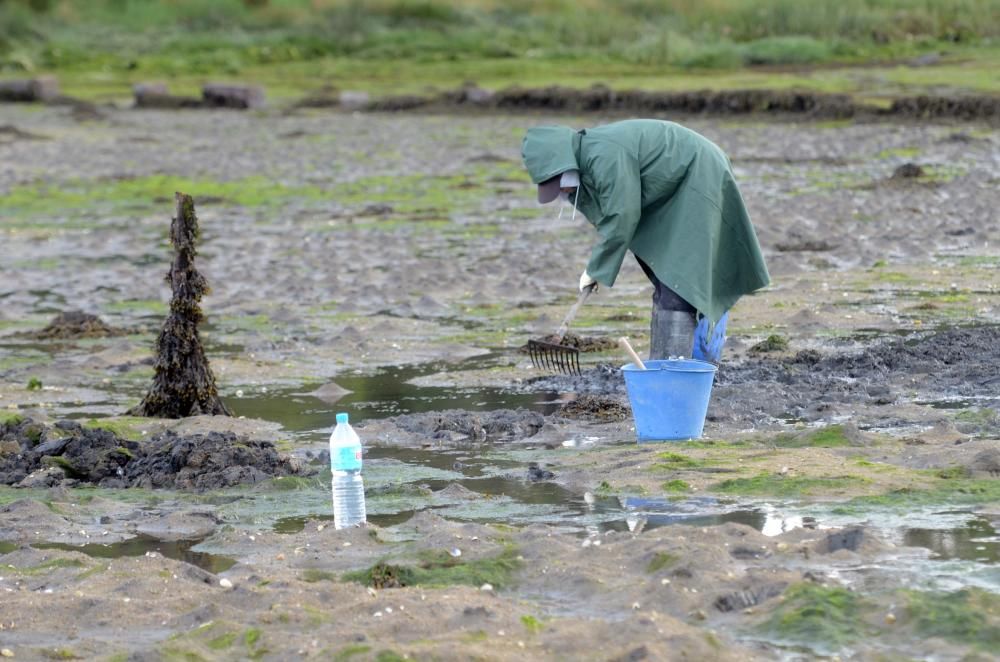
(346, 458)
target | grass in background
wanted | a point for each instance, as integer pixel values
(367, 43)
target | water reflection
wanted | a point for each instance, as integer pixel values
(976, 541)
(380, 395)
(178, 550)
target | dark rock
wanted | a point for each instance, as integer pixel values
(52, 447)
(908, 171)
(750, 597)
(497, 425)
(40, 89)
(156, 95)
(744, 553)
(243, 97)
(537, 473)
(849, 539)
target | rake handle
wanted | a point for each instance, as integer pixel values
(623, 342)
(561, 331)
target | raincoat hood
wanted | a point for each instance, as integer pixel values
(664, 193)
(549, 151)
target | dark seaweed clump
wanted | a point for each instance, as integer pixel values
(183, 384)
(37, 455)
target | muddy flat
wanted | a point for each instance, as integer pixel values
(843, 501)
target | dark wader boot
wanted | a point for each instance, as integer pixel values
(672, 325)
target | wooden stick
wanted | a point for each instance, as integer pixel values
(623, 342)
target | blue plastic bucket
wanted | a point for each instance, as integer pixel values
(669, 398)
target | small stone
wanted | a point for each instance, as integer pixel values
(890, 618)
(781, 546)
(280, 557)
(635, 605)
(372, 592)
(388, 610)
(455, 551)
(6, 652)
(664, 581)
(486, 587)
(320, 527)
(225, 583)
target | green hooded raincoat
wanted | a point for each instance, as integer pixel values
(667, 194)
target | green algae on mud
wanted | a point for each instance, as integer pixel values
(943, 491)
(969, 616)
(34, 200)
(777, 484)
(440, 568)
(825, 619)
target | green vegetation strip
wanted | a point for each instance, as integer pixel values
(395, 45)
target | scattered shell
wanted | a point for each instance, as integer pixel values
(372, 592)
(455, 551)
(890, 618)
(635, 605)
(486, 587)
(225, 583)
(781, 546)
(6, 652)
(664, 581)
(280, 557)
(320, 527)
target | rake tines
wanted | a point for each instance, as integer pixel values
(558, 358)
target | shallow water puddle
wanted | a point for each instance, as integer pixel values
(975, 540)
(179, 550)
(380, 395)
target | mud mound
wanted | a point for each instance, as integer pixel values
(100, 457)
(588, 343)
(497, 425)
(582, 343)
(596, 408)
(209, 461)
(604, 378)
(77, 324)
(928, 107)
(603, 99)
(961, 361)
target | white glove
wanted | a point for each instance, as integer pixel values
(586, 281)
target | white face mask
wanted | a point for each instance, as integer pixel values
(569, 179)
(564, 198)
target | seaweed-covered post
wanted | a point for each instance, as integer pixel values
(183, 384)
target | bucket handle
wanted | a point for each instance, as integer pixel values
(623, 342)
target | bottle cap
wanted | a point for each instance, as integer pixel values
(342, 418)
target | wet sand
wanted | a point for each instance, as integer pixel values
(850, 468)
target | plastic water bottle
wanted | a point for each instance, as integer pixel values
(345, 464)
